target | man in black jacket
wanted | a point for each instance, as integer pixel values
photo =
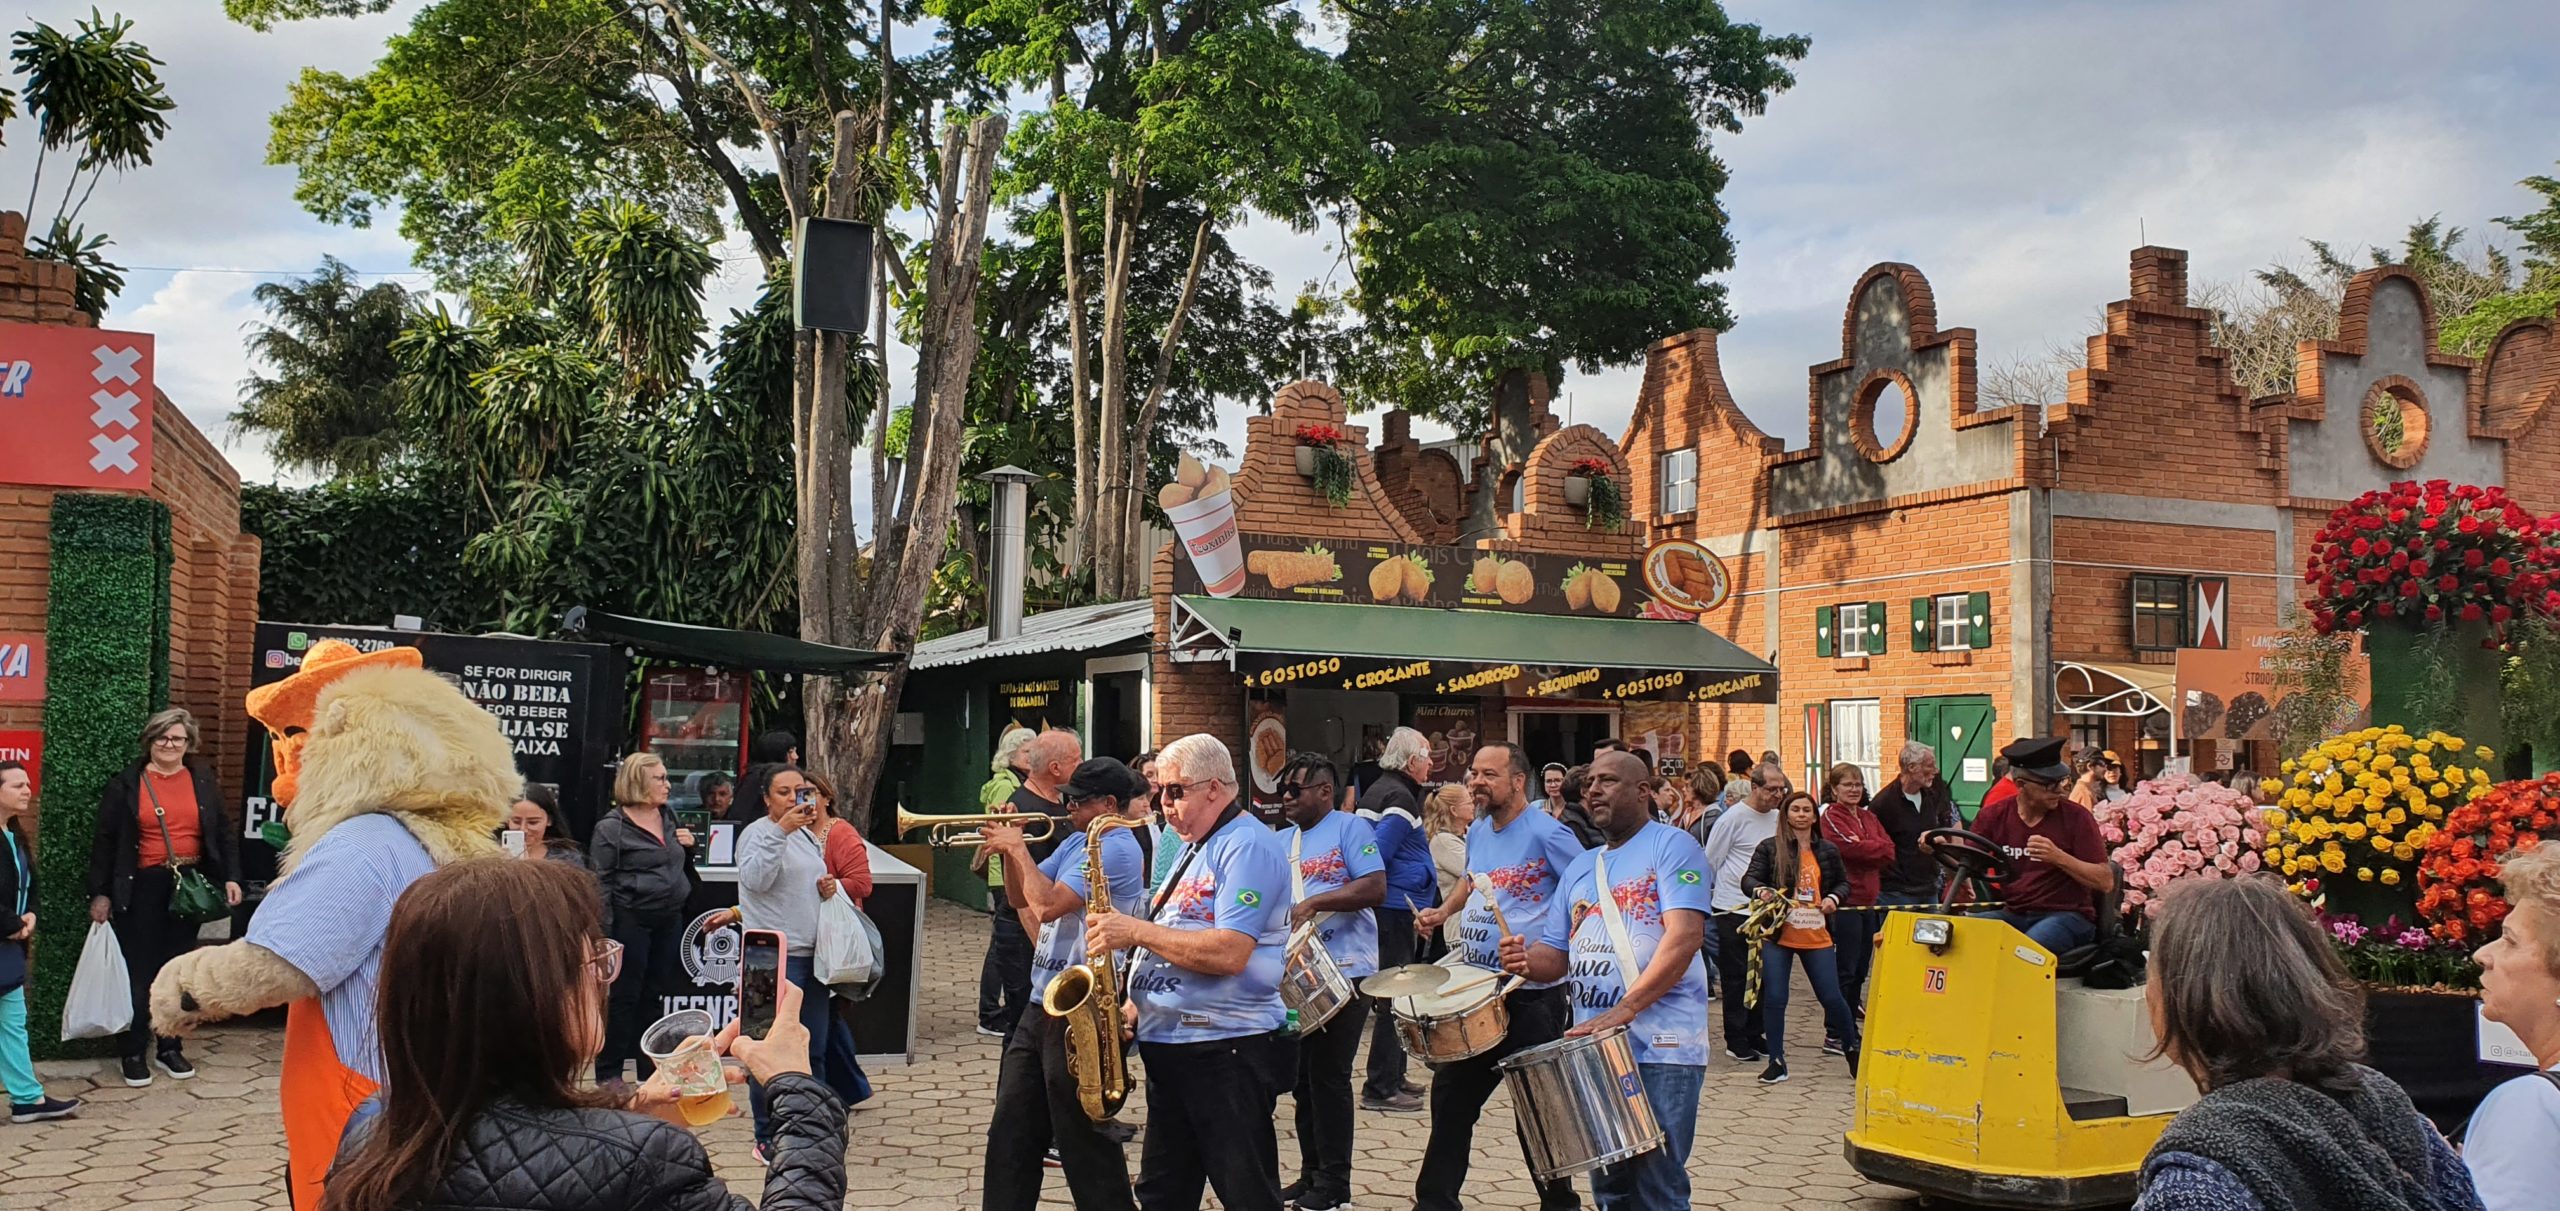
(1914, 803)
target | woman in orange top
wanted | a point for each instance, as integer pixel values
(1801, 869)
(162, 813)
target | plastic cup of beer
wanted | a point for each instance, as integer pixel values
(680, 1045)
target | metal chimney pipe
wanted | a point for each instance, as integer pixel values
(1008, 553)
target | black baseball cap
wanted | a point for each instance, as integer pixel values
(1103, 776)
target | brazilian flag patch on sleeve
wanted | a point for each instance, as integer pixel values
(1370, 848)
(1687, 876)
(1248, 897)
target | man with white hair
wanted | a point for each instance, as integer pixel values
(1916, 801)
(1205, 997)
(1393, 807)
(1737, 834)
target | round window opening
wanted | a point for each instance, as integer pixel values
(2395, 422)
(1885, 417)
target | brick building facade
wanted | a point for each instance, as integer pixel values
(213, 575)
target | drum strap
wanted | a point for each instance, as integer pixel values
(1614, 921)
(1298, 880)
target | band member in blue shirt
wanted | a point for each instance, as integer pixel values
(1338, 882)
(1035, 1092)
(1516, 858)
(1632, 961)
(1204, 998)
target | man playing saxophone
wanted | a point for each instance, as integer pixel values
(1037, 1096)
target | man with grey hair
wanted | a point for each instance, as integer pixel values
(1916, 801)
(1205, 997)
(1738, 832)
(1393, 807)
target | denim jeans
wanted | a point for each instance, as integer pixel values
(1822, 970)
(1657, 1180)
(2055, 931)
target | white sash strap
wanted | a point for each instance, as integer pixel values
(1614, 921)
(1298, 879)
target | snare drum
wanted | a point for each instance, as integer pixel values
(1312, 983)
(1466, 1017)
(1581, 1104)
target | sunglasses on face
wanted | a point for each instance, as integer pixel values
(1174, 792)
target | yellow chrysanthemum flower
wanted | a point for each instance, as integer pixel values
(2364, 874)
(2390, 878)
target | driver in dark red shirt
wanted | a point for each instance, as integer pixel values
(2059, 863)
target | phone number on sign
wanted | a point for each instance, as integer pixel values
(1294, 672)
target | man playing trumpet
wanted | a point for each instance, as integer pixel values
(1205, 998)
(1036, 1091)
(1515, 860)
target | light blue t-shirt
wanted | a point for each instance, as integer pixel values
(2513, 1146)
(1124, 867)
(1523, 863)
(328, 918)
(1339, 849)
(1239, 882)
(1659, 870)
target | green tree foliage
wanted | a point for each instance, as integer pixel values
(330, 402)
(96, 93)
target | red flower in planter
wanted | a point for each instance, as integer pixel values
(2459, 896)
(2432, 551)
(1592, 466)
(1321, 435)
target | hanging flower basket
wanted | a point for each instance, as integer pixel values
(1320, 458)
(1577, 490)
(1604, 505)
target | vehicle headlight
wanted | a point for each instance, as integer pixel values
(1932, 931)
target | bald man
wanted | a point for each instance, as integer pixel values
(1048, 760)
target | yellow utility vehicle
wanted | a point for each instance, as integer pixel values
(1989, 1076)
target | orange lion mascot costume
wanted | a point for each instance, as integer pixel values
(386, 771)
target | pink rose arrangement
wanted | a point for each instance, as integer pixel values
(2175, 827)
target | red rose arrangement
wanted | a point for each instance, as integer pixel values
(2432, 552)
(1321, 435)
(1591, 466)
(2459, 896)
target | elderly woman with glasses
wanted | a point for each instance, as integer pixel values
(159, 818)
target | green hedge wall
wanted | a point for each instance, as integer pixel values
(107, 669)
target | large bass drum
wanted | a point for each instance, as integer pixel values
(1312, 983)
(1581, 1104)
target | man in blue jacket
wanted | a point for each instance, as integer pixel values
(1393, 807)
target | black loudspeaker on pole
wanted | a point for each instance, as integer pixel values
(831, 283)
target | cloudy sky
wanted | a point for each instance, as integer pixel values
(2013, 151)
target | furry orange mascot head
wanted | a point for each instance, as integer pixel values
(286, 708)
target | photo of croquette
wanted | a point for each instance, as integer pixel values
(1289, 569)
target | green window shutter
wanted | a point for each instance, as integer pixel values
(1978, 607)
(1879, 636)
(1822, 644)
(1924, 625)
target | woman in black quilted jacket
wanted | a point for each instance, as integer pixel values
(492, 1005)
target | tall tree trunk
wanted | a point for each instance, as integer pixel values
(830, 584)
(1086, 468)
(1134, 555)
(947, 354)
(1124, 210)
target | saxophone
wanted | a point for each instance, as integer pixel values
(1087, 995)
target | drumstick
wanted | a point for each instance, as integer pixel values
(1499, 922)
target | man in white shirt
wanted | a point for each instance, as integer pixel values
(1737, 833)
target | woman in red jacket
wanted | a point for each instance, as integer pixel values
(848, 859)
(1867, 850)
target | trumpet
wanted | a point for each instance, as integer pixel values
(960, 832)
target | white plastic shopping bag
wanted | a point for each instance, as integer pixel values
(101, 1001)
(844, 952)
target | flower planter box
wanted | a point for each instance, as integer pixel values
(2429, 1042)
(1577, 489)
(1307, 462)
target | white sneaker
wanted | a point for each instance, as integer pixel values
(985, 1033)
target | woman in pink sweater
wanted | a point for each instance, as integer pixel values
(1867, 850)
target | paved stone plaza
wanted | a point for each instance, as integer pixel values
(214, 1144)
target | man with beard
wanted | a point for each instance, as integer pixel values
(1635, 917)
(1515, 860)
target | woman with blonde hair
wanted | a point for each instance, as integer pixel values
(1446, 816)
(2513, 1146)
(640, 858)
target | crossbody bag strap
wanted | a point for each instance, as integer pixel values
(161, 815)
(1614, 921)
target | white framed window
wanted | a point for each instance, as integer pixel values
(1680, 481)
(1955, 624)
(1857, 737)
(1852, 628)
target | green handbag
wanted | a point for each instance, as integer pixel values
(192, 897)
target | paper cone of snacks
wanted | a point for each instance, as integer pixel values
(1203, 514)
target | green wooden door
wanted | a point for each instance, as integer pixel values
(1959, 729)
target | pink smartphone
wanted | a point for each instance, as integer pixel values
(759, 981)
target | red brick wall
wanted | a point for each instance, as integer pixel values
(2157, 384)
(2092, 614)
(213, 577)
(1684, 402)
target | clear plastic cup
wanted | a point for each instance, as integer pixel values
(680, 1045)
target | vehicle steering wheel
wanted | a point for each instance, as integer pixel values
(1969, 857)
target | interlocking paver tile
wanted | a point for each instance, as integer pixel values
(917, 1146)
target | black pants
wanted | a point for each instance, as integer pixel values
(1458, 1093)
(149, 938)
(1035, 1106)
(1742, 1029)
(1386, 1049)
(1004, 978)
(1209, 1108)
(651, 955)
(1323, 1098)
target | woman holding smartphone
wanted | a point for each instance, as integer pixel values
(782, 875)
(638, 855)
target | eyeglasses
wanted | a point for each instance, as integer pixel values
(1173, 792)
(606, 962)
(168, 740)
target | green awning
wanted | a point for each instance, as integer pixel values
(1418, 650)
(719, 647)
